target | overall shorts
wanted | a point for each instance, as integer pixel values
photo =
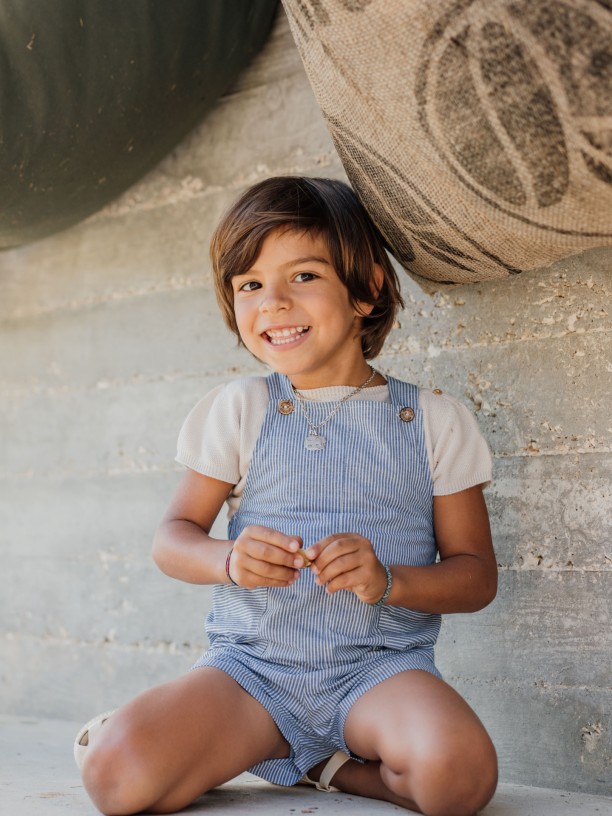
(307, 656)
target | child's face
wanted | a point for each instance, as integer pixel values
(294, 313)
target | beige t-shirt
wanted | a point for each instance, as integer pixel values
(218, 437)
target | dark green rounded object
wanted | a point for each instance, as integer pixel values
(93, 93)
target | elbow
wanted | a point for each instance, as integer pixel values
(488, 599)
(158, 551)
(489, 591)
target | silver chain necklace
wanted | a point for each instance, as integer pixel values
(314, 441)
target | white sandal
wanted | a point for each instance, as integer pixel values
(327, 774)
(82, 738)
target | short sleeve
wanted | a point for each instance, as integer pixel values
(459, 454)
(209, 439)
(219, 434)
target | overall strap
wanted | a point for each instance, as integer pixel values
(403, 394)
(278, 387)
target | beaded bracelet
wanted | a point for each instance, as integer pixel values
(227, 566)
(387, 591)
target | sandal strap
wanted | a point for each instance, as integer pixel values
(330, 770)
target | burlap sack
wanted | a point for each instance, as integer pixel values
(478, 133)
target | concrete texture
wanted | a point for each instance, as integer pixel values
(38, 777)
(109, 335)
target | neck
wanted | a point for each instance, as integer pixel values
(371, 375)
(377, 379)
(353, 377)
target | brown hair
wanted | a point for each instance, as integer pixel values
(323, 207)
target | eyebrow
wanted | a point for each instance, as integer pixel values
(295, 262)
(307, 259)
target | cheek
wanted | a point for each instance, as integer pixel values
(242, 316)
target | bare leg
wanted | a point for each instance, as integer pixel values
(174, 742)
(426, 749)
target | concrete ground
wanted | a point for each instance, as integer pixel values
(38, 777)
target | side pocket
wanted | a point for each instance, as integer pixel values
(237, 613)
(407, 629)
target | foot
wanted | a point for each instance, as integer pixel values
(322, 774)
(82, 739)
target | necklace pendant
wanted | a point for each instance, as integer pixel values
(314, 442)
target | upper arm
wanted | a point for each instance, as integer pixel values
(461, 526)
(198, 499)
(460, 456)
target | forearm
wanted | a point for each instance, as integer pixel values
(461, 583)
(183, 550)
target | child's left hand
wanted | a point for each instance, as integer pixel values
(348, 561)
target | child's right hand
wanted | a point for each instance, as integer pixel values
(265, 557)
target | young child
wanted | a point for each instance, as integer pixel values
(343, 487)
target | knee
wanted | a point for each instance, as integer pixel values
(446, 782)
(456, 785)
(114, 778)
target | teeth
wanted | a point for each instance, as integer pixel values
(278, 337)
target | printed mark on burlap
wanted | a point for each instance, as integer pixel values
(315, 12)
(516, 97)
(400, 209)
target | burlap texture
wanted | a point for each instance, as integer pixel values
(478, 133)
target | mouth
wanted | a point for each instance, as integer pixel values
(284, 336)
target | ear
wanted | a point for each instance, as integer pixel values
(378, 277)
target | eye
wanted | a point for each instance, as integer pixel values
(249, 286)
(304, 277)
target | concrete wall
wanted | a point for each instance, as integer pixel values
(110, 334)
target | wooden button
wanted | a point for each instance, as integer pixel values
(406, 414)
(285, 406)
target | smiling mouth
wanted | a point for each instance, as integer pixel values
(281, 337)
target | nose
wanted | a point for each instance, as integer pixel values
(275, 298)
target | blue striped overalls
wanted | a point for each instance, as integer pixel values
(305, 655)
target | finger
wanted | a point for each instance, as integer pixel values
(251, 573)
(266, 571)
(257, 580)
(335, 547)
(273, 537)
(316, 552)
(247, 547)
(342, 565)
(273, 583)
(263, 561)
(301, 560)
(345, 580)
